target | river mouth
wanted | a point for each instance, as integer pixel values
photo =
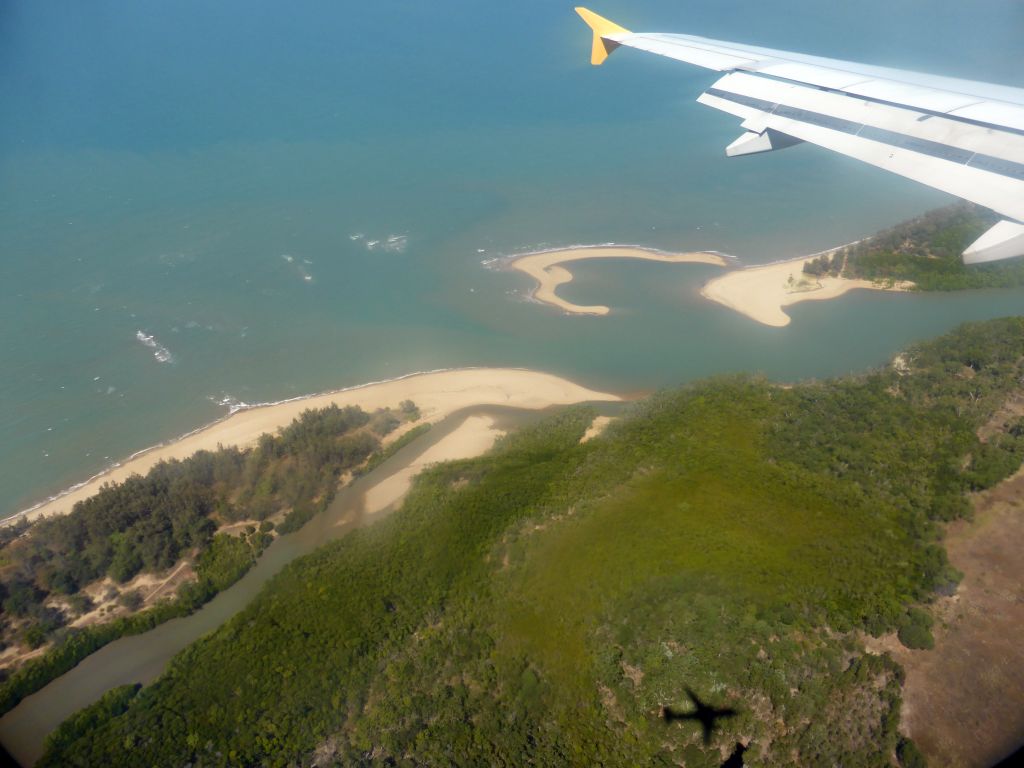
(142, 658)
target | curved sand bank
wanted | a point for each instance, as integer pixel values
(436, 394)
(544, 268)
(761, 292)
(472, 438)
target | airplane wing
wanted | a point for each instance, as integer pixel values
(962, 137)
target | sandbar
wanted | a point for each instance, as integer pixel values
(544, 267)
(473, 437)
(596, 428)
(437, 394)
(760, 292)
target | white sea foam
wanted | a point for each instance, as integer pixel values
(389, 244)
(300, 270)
(500, 262)
(160, 352)
(232, 403)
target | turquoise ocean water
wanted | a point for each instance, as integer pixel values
(189, 191)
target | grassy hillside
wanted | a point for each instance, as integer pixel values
(541, 604)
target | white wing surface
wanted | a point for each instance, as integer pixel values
(963, 137)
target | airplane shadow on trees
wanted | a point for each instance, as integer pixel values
(708, 717)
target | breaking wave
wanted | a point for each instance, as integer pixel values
(160, 352)
(389, 244)
(232, 403)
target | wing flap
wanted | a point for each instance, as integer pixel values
(993, 113)
(911, 125)
(1000, 193)
(950, 159)
(958, 136)
(915, 96)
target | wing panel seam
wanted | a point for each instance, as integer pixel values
(988, 163)
(875, 100)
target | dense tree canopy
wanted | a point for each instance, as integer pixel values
(925, 251)
(540, 605)
(147, 524)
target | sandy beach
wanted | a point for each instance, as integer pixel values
(596, 428)
(471, 438)
(761, 292)
(544, 267)
(436, 394)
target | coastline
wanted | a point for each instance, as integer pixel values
(359, 502)
(762, 291)
(436, 393)
(545, 267)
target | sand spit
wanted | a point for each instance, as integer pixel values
(596, 428)
(471, 438)
(544, 267)
(437, 394)
(761, 292)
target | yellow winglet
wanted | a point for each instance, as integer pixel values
(601, 27)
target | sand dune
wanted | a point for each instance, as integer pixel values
(544, 268)
(437, 394)
(472, 437)
(596, 428)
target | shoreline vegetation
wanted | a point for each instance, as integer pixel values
(925, 251)
(71, 583)
(546, 268)
(209, 504)
(436, 393)
(186, 519)
(546, 600)
(921, 254)
(761, 292)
